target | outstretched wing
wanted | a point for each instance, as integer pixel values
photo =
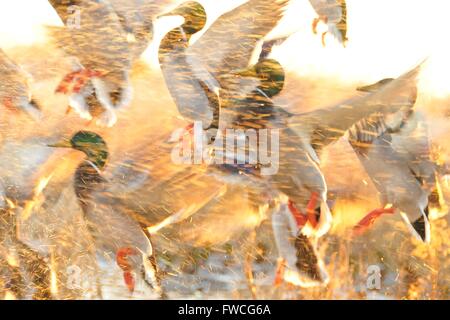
(136, 18)
(413, 144)
(325, 126)
(98, 42)
(229, 43)
(7, 67)
(14, 83)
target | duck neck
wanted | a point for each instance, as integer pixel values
(175, 40)
(88, 181)
(189, 30)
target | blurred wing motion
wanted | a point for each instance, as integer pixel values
(99, 43)
(15, 93)
(414, 145)
(196, 73)
(136, 17)
(171, 199)
(398, 160)
(230, 42)
(334, 14)
(321, 127)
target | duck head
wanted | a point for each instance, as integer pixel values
(194, 15)
(270, 73)
(90, 144)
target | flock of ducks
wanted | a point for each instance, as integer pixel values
(221, 89)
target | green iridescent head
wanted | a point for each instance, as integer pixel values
(90, 144)
(194, 15)
(271, 74)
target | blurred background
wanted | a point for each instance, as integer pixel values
(386, 38)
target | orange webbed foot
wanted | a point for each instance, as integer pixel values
(279, 273)
(75, 81)
(365, 223)
(123, 263)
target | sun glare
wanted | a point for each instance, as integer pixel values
(385, 38)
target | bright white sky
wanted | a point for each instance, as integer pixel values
(386, 37)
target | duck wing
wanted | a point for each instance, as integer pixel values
(412, 143)
(234, 36)
(99, 42)
(321, 127)
(15, 92)
(14, 79)
(136, 18)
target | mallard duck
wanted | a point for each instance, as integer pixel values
(395, 153)
(255, 110)
(193, 72)
(334, 14)
(115, 232)
(38, 227)
(299, 180)
(103, 58)
(15, 94)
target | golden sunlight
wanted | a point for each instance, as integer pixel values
(113, 186)
(385, 38)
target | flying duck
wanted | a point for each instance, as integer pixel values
(334, 14)
(395, 152)
(114, 231)
(299, 182)
(193, 72)
(100, 81)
